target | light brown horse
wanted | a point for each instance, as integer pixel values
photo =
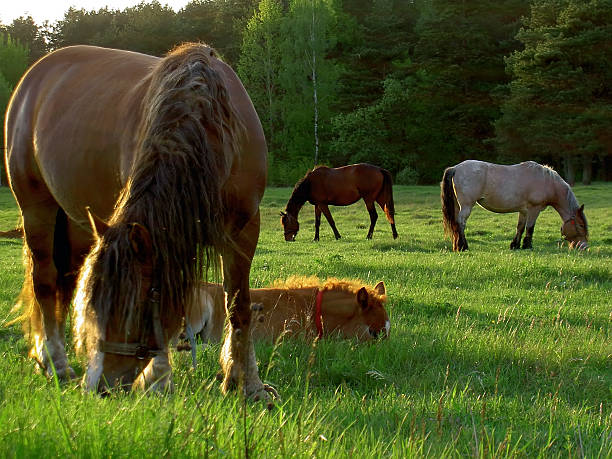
(340, 186)
(526, 188)
(172, 153)
(299, 306)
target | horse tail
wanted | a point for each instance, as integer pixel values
(30, 318)
(449, 203)
(387, 195)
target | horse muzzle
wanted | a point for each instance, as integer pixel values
(383, 333)
(579, 245)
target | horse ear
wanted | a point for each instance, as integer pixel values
(582, 208)
(140, 240)
(380, 288)
(98, 225)
(362, 297)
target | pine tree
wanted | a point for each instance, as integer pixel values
(560, 101)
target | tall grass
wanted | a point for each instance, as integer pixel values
(492, 352)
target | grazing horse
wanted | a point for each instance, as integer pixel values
(299, 306)
(526, 188)
(133, 173)
(341, 186)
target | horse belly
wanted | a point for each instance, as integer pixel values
(497, 206)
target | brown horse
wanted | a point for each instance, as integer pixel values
(340, 186)
(299, 306)
(526, 188)
(172, 153)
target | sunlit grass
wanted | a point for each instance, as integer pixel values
(492, 352)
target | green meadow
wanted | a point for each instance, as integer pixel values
(492, 352)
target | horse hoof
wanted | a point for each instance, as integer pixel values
(268, 394)
(63, 374)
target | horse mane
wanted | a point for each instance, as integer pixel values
(174, 190)
(347, 285)
(299, 195)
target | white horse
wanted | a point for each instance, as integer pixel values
(527, 188)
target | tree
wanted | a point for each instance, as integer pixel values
(461, 45)
(375, 41)
(259, 67)
(219, 23)
(13, 63)
(308, 77)
(560, 97)
(28, 33)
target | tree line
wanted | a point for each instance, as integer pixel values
(411, 86)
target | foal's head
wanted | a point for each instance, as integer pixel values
(290, 226)
(575, 230)
(361, 315)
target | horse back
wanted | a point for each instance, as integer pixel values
(505, 188)
(68, 121)
(345, 185)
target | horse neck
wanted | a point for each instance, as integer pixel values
(565, 202)
(329, 310)
(299, 196)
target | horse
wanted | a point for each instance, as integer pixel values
(341, 186)
(526, 188)
(299, 306)
(134, 174)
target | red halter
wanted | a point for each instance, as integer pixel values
(318, 316)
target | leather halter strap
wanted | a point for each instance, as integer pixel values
(140, 350)
(318, 315)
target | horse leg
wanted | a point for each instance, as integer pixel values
(516, 242)
(532, 215)
(238, 354)
(390, 214)
(461, 243)
(330, 220)
(373, 217)
(47, 308)
(317, 221)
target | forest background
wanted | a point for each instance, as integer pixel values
(411, 86)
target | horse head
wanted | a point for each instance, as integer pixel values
(575, 230)
(362, 316)
(290, 226)
(119, 318)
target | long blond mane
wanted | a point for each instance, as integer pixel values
(331, 283)
(189, 131)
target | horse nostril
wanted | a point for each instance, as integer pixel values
(374, 333)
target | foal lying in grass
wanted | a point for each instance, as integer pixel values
(299, 306)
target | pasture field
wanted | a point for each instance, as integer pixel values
(492, 352)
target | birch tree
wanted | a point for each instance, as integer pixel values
(308, 77)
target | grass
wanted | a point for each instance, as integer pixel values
(492, 353)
